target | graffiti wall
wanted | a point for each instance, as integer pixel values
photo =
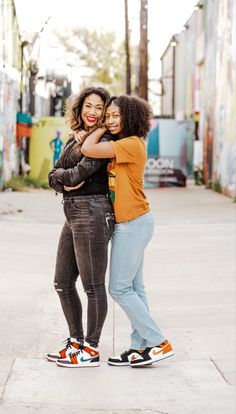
(206, 90)
(42, 154)
(225, 108)
(8, 107)
(218, 121)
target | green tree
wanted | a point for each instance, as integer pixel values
(102, 59)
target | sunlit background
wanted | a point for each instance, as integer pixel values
(178, 55)
(165, 18)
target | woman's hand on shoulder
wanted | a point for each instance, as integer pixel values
(80, 136)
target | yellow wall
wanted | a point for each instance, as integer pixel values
(41, 155)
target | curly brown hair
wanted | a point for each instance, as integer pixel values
(135, 115)
(75, 102)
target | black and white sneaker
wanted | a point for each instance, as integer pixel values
(152, 354)
(125, 358)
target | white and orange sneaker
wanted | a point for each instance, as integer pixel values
(86, 356)
(152, 354)
(72, 345)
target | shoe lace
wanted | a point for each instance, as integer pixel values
(68, 344)
(125, 353)
(130, 351)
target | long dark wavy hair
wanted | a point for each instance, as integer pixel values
(75, 102)
(135, 115)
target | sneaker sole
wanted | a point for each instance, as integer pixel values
(95, 364)
(50, 359)
(158, 358)
(117, 364)
(163, 356)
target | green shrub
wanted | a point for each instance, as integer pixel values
(216, 186)
(199, 177)
(20, 183)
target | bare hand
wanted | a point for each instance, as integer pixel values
(73, 188)
(80, 136)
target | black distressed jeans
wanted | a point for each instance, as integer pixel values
(82, 250)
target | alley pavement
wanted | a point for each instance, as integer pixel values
(190, 283)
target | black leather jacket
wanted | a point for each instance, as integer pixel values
(73, 167)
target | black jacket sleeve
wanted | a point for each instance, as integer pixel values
(52, 180)
(83, 170)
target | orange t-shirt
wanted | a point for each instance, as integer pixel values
(125, 177)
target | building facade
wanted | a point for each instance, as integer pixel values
(9, 88)
(203, 84)
(29, 89)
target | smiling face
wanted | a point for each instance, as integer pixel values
(92, 110)
(113, 120)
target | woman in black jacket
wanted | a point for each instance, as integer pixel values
(83, 243)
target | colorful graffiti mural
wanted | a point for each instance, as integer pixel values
(41, 153)
(225, 102)
(8, 105)
(218, 120)
(205, 91)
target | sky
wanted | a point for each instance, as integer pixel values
(165, 18)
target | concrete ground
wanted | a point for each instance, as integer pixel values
(190, 280)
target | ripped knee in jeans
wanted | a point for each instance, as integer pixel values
(58, 289)
(95, 290)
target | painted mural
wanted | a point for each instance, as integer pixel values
(225, 103)
(8, 105)
(218, 120)
(42, 152)
(206, 91)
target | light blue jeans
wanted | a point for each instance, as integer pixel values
(126, 279)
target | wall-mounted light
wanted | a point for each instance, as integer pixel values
(184, 27)
(198, 6)
(173, 41)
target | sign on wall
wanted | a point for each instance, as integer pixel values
(169, 149)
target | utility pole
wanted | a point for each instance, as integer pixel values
(34, 68)
(173, 85)
(23, 44)
(173, 44)
(127, 54)
(143, 51)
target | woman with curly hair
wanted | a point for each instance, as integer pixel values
(129, 118)
(84, 239)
